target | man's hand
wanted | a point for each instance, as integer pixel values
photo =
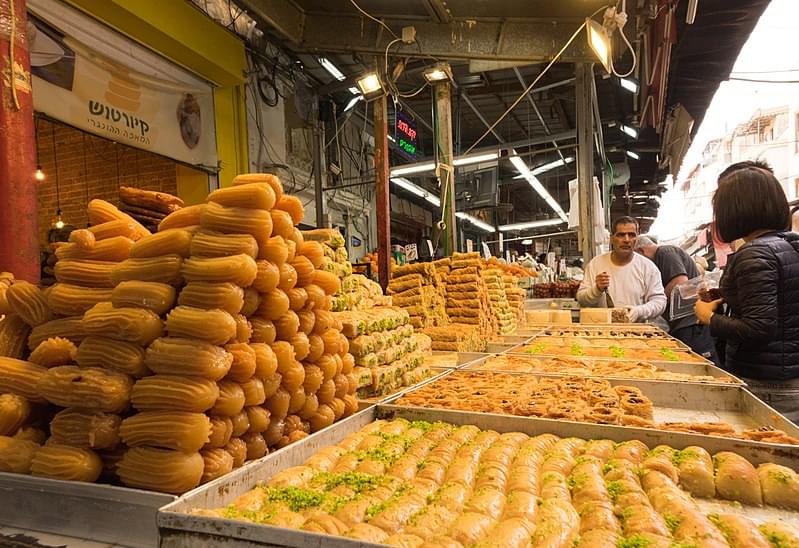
(632, 314)
(602, 281)
(705, 310)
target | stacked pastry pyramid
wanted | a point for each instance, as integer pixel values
(418, 289)
(504, 315)
(515, 295)
(467, 294)
(211, 343)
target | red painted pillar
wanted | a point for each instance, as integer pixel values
(19, 241)
(383, 203)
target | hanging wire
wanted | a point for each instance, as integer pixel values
(57, 185)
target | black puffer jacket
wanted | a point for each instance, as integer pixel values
(761, 288)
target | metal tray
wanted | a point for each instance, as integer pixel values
(689, 402)
(700, 359)
(499, 348)
(436, 373)
(104, 513)
(679, 345)
(704, 369)
(179, 529)
(459, 359)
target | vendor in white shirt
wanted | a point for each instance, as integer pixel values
(622, 278)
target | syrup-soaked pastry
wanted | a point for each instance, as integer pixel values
(328, 281)
(301, 346)
(29, 303)
(74, 300)
(737, 479)
(323, 418)
(252, 300)
(230, 401)
(86, 273)
(21, 377)
(288, 277)
(213, 244)
(696, 471)
(307, 321)
(274, 250)
(88, 388)
(241, 424)
(244, 362)
(238, 269)
(238, 220)
(111, 229)
(740, 531)
(216, 463)
(189, 357)
(214, 326)
(13, 336)
(238, 450)
(54, 351)
(265, 360)
(120, 356)
(258, 418)
(268, 276)
(298, 298)
(313, 251)
(250, 196)
(263, 330)
(316, 348)
(83, 238)
(780, 485)
(278, 404)
(225, 296)
(16, 455)
(272, 180)
(175, 393)
(243, 329)
(100, 211)
(31, 433)
(256, 445)
(184, 217)
(14, 411)
(254, 393)
(113, 249)
(178, 430)
(287, 326)
(282, 224)
(69, 328)
(164, 269)
(162, 470)
(136, 325)
(66, 463)
(221, 431)
(781, 534)
(173, 241)
(155, 296)
(305, 270)
(273, 305)
(88, 430)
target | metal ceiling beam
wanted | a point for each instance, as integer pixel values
(437, 10)
(479, 114)
(529, 41)
(535, 109)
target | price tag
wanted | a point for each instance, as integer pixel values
(411, 252)
(486, 251)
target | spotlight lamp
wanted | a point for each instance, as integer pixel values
(370, 86)
(629, 84)
(438, 73)
(633, 155)
(59, 222)
(39, 174)
(599, 41)
(629, 130)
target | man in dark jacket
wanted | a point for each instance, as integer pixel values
(677, 267)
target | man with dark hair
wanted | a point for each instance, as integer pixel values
(677, 267)
(623, 278)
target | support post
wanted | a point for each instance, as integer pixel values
(318, 171)
(585, 157)
(383, 203)
(446, 171)
(19, 234)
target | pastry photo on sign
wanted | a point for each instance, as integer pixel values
(189, 120)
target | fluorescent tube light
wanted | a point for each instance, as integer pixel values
(433, 200)
(354, 91)
(527, 242)
(629, 130)
(331, 68)
(409, 186)
(629, 84)
(353, 102)
(633, 155)
(468, 160)
(414, 168)
(531, 224)
(522, 168)
(552, 165)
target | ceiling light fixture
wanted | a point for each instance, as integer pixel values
(629, 84)
(353, 102)
(331, 68)
(370, 85)
(528, 241)
(39, 174)
(633, 155)
(438, 73)
(599, 41)
(522, 168)
(475, 221)
(433, 200)
(469, 160)
(629, 130)
(531, 224)
(552, 165)
(409, 186)
(414, 168)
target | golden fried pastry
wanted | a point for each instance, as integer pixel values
(29, 303)
(155, 296)
(74, 300)
(86, 273)
(216, 463)
(16, 455)
(88, 388)
(136, 325)
(21, 378)
(88, 430)
(66, 463)
(14, 411)
(213, 244)
(193, 323)
(54, 351)
(178, 430)
(113, 354)
(13, 336)
(161, 469)
(189, 357)
(176, 393)
(69, 328)
(238, 269)
(172, 241)
(207, 295)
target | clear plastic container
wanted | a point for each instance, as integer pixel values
(682, 300)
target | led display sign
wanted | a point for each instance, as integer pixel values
(406, 133)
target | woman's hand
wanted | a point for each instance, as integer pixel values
(705, 310)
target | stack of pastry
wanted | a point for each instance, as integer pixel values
(147, 206)
(418, 289)
(515, 296)
(90, 396)
(438, 484)
(504, 315)
(386, 350)
(457, 338)
(336, 260)
(467, 295)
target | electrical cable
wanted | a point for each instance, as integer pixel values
(378, 21)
